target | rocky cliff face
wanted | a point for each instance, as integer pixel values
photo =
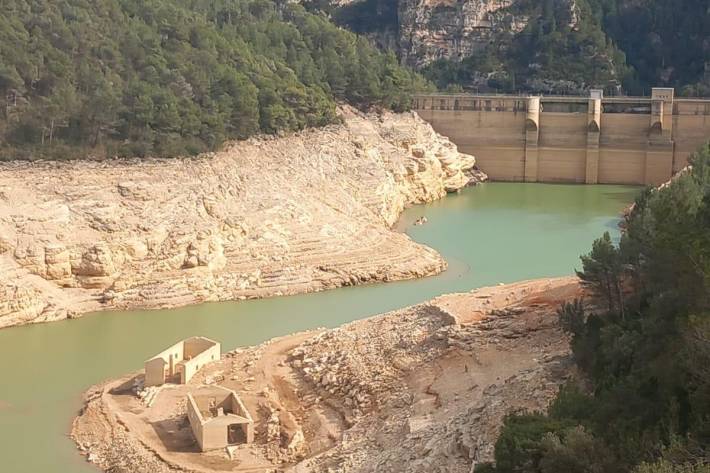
(265, 217)
(455, 29)
(450, 29)
(423, 31)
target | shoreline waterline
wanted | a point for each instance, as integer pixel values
(489, 234)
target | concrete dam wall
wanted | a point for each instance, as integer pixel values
(616, 140)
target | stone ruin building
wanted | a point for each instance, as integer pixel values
(181, 361)
(218, 418)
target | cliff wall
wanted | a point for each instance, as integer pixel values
(427, 30)
(554, 47)
(445, 29)
(268, 216)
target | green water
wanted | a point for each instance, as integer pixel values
(489, 234)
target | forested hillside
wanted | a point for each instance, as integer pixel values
(175, 77)
(562, 49)
(643, 403)
(620, 45)
(549, 46)
(666, 42)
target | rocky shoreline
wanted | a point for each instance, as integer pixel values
(426, 386)
(265, 217)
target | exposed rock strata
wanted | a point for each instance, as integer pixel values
(426, 30)
(444, 29)
(268, 216)
(447, 29)
(422, 389)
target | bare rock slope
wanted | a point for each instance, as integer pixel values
(268, 216)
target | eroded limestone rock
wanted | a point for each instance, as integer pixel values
(267, 216)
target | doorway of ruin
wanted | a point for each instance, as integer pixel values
(235, 434)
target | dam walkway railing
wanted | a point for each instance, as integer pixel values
(594, 139)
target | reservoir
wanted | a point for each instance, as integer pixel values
(493, 233)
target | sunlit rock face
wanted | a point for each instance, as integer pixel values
(268, 216)
(423, 31)
(450, 29)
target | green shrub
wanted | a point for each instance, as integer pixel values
(646, 367)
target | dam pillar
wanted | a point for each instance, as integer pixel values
(594, 126)
(660, 147)
(532, 137)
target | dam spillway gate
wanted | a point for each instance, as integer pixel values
(612, 140)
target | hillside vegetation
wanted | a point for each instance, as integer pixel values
(645, 355)
(666, 42)
(174, 77)
(561, 50)
(618, 45)
(566, 46)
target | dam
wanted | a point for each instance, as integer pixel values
(593, 140)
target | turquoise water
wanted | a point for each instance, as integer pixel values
(492, 233)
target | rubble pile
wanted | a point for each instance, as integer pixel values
(362, 366)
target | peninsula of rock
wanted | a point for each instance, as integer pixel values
(426, 386)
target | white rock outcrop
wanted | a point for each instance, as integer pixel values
(267, 216)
